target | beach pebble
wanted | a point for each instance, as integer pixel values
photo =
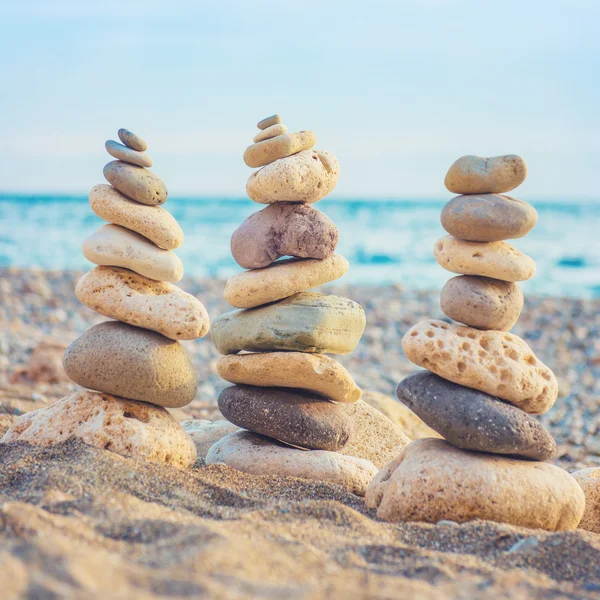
(432, 480)
(282, 279)
(497, 260)
(482, 175)
(488, 218)
(269, 122)
(131, 298)
(153, 222)
(304, 177)
(134, 363)
(297, 417)
(128, 155)
(305, 322)
(472, 420)
(257, 455)
(270, 132)
(133, 429)
(131, 140)
(45, 364)
(205, 433)
(495, 362)
(136, 183)
(315, 372)
(589, 480)
(283, 229)
(268, 151)
(482, 302)
(115, 246)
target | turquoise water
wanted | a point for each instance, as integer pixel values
(386, 241)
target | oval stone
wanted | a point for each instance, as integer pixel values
(283, 229)
(589, 480)
(495, 362)
(482, 302)
(432, 481)
(497, 260)
(134, 429)
(269, 121)
(136, 183)
(488, 218)
(299, 417)
(153, 222)
(315, 372)
(480, 175)
(304, 177)
(305, 322)
(116, 358)
(270, 132)
(205, 433)
(131, 140)
(258, 455)
(121, 152)
(268, 151)
(472, 420)
(282, 279)
(115, 246)
(131, 298)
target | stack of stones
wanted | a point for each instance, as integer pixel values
(482, 383)
(288, 395)
(135, 363)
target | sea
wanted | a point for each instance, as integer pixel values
(386, 241)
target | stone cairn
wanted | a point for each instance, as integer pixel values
(135, 363)
(288, 395)
(482, 383)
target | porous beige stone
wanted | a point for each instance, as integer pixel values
(134, 429)
(269, 121)
(131, 140)
(258, 455)
(315, 372)
(115, 246)
(495, 362)
(119, 359)
(126, 154)
(589, 480)
(482, 302)
(136, 183)
(304, 177)
(481, 175)
(268, 151)
(270, 132)
(432, 481)
(131, 298)
(153, 222)
(282, 279)
(205, 433)
(497, 260)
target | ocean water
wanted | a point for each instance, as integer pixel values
(386, 241)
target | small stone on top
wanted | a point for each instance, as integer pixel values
(272, 120)
(131, 140)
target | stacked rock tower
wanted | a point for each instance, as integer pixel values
(482, 383)
(286, 388)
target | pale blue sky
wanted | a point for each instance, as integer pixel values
(397, 90)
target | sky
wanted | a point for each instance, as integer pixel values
(397, 90)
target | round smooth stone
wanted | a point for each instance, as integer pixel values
(205, 433)
(283, 229)
(472, 420)
(121, 152)
(131, 298)
(314, 372)
(432, 481)
(257, 455)
(497, 260)
(134, 429)
(589, 480)
(480, 175)
(269, 122)
(134, 363)
(115, 246)
(282, 279)
(495, 362)
(488, 218)
(299, 417)
(131, 140)
(270, 132)
(268, 151)
(304, 322)
(153, 222)
(482, 302)
(304, 177)
(136, 183)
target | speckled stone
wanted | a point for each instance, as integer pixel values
(136, 183)
(131, 140)
(269, 122)
(270, 132)
(268, 151)
(482, 175)
(206, 433)
(589, 480)
(121, 152)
